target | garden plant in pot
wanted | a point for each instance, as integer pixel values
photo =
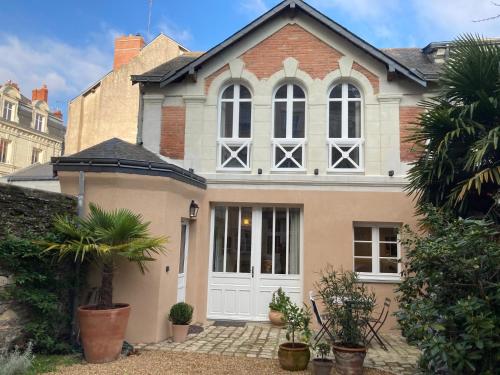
(349, 306)
(322, 365)
(294, 355)
(101, 238)
(277, 306)
(180, 315)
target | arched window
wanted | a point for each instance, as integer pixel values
(345, 128)
(289, 127)
(235, 127)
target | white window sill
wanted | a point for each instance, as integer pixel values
(288, 170)
(234, 170)
(379, 278)
(352, 171)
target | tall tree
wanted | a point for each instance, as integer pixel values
(458, 134)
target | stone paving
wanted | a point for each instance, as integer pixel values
(262, 340)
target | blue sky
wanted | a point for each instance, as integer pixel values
(68, 44)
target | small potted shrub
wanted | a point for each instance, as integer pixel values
(349, 305)
(294, 355)
(322, 365)
(180, 315)
(277, 306)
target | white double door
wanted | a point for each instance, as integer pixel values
(254, 251)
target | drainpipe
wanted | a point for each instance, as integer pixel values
(140, 115)
(79, 210)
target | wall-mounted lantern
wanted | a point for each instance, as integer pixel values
(193, 210)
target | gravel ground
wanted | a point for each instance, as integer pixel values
(153, 363)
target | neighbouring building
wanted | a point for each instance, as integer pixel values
(37, 176)
(30, 132)
(289, 136)
(110, 107)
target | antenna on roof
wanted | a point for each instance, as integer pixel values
(149, 15)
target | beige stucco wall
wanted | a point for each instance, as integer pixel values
(111, 107)
(328, 235)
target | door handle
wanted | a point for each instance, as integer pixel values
(252, 272)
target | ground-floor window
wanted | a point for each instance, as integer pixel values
(376, 250)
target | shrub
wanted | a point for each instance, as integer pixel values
(16, 362)
(181, 314)
(297, 323)
(279, 301)
(450, 297)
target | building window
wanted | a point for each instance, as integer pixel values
(289, 128)
(39, 120)
(235, 128)
(4, 151)
(345, 141)
(8, 110)
(377, 251)
(36, 156)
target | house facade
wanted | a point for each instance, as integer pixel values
(289, 136)
(30, 132)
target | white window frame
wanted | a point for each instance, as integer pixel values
(12, 110)
(39, 154)
(39, 125)
(231, 142)
(344, 140)
(289, 140)
(5, 150)
(376, 275)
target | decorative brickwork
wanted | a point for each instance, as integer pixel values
(408, 116)
(314, 56)
(374, 80)
(173, 124)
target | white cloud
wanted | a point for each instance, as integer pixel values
(175, 32)
(253, 7)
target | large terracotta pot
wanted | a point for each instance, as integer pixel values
(322, 366)
(349, 361)
(102, 332)
(180, 332)
(294, 356)
(276, 318)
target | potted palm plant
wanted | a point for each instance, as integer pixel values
(277, 306)
(322, 365)
(180, 315)
(349, 306)
(294, 355)
(101, 237)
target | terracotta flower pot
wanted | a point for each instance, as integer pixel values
(102, 332)
(322, 366)
(294, 356)
(276, 318)
(349, 361)
(180, 332)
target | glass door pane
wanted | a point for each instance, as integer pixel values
(266, 258)
(294, 241)
(219, 239)
(246, 240)
(280, 242)
(232, 239)
(182, 255)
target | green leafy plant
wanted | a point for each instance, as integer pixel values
(181, 313)
(449, 300)
(458, 132)
(297, 320)
(323, 349)
(101, 237)
(279, 301)
(349, 305)
(16, 362)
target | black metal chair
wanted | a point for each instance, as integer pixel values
(325, 325)
(374, 325)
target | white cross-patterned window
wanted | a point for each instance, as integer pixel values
(235, 128)
(345, 141)
(289, 106)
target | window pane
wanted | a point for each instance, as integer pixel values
(294, 242)
(388, 234)
(388, 265)
(226, 120)
(266, 265)
(345, 163)
(232, 239)
(298, 122)
(282, 92)
(353, 92)
(298, 93)
(280, 120)
(245, 119)
(280, 242)
(388, 249)
(246, 240)
(354, 120)
(228, 93)
(234, 162)
(219, 228)
(244, 93)
(182, 249)
(297, 155)
(363, 249)
(336, 92)
(362, 233)
(362, 265)
(335, 120)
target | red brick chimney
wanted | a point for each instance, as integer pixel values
(126, 48)
(40, 94)
(57, 114)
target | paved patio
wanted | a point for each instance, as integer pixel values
(262, 340)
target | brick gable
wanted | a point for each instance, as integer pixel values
(408, 116)
(173, 124)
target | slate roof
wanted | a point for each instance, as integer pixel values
(35, 172)
(416, 60)
(170, 66)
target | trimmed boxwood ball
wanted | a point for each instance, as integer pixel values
(181, 313)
